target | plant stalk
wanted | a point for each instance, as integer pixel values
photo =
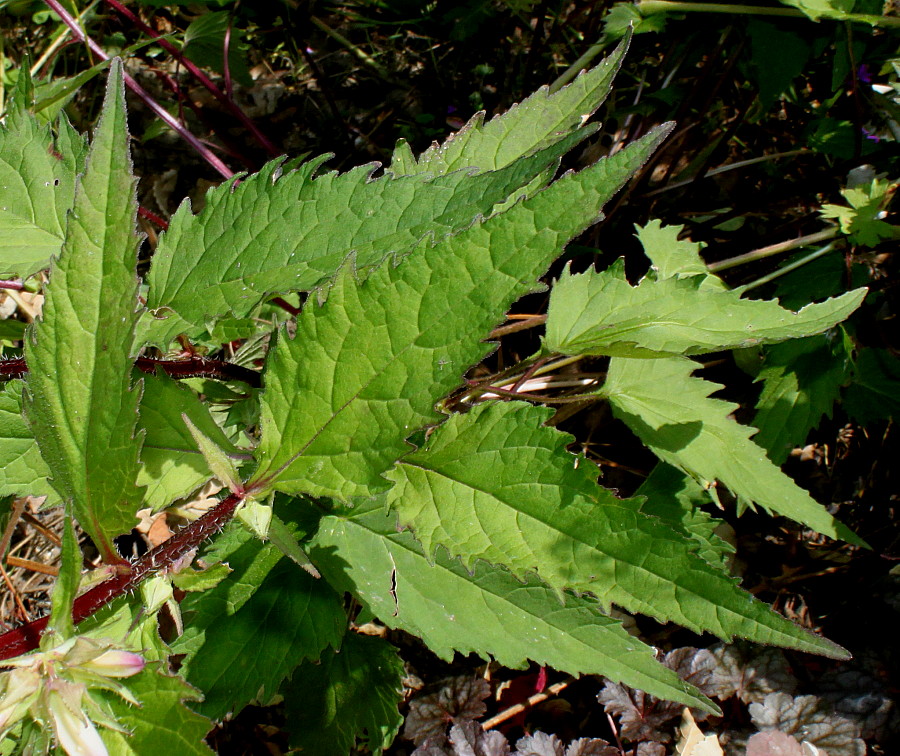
(774, 249)
(650, 7)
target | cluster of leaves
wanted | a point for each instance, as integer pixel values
(509, 547)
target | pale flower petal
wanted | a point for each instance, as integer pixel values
(114, 663)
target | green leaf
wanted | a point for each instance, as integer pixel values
(79, 399)
(232, 255)
(365, 370)
(539, 121)
(22, 469)
(171, 466)
(802, 381)
(862, 221)
(488, 611)
(37, 189)
(357, 689)
(207, 36)
(495, 484)
(675, 498)
(602, 314)
(244, 636)
(162, 724)
(671, 412)
(816, 9)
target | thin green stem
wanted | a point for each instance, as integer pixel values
(822, 251)
(774, 249)
(650, 7)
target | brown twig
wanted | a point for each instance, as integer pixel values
(526, 704)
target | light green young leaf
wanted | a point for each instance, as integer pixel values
(862, 220)
(256, 517)
(671, 412)
(540, 120)
(496, 484)
(220, 465)
(673, 257)
(226, 259)
(79, 399)
(365, 370)
(488, 611)
(349, 692)
(603, 314)
(802, 381)
(37, 188)
(171, 465)
(162, 724)
(22, 469)
(245, 636)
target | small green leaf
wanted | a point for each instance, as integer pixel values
(488, 611)
(602, 314)
(365, 369)
(672, 257)
(162, 724)
(257, 517)
(802, 381)
(540, 120)
(875, 391)
(246, 635)
(672, 413)
(228, 258)
(356, 690)
(220, 465)
(286, 542)
(79, 400)
(496, 484)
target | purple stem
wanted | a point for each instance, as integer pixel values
(158, 109)
(226, 102)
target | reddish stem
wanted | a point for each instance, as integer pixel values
(226, 102)
(23, 639)
(158, 109)
(192, 367)
(15, 284)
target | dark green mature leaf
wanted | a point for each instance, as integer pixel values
(365, 370)
(603, 314)
(79, 399)
(22, 469)
(172, 466)
(875, 391)
(495, 484)
(672, 413)
(162, 724)
(274, 233)
(37, 188)
(487, 611)
(537, 122)
(802, 380)
(245, 636)
(349, 692)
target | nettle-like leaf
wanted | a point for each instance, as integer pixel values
(247, 634)
(802, 381)
(671, 257)
(37, 185)
(355, 690)
(537, 122)
(672, 412)
(366, 368)
(79, 399)
(495, 484)
(603, 314)
(275, 232)
(487, 611)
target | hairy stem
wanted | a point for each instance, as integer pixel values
(23, 639)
